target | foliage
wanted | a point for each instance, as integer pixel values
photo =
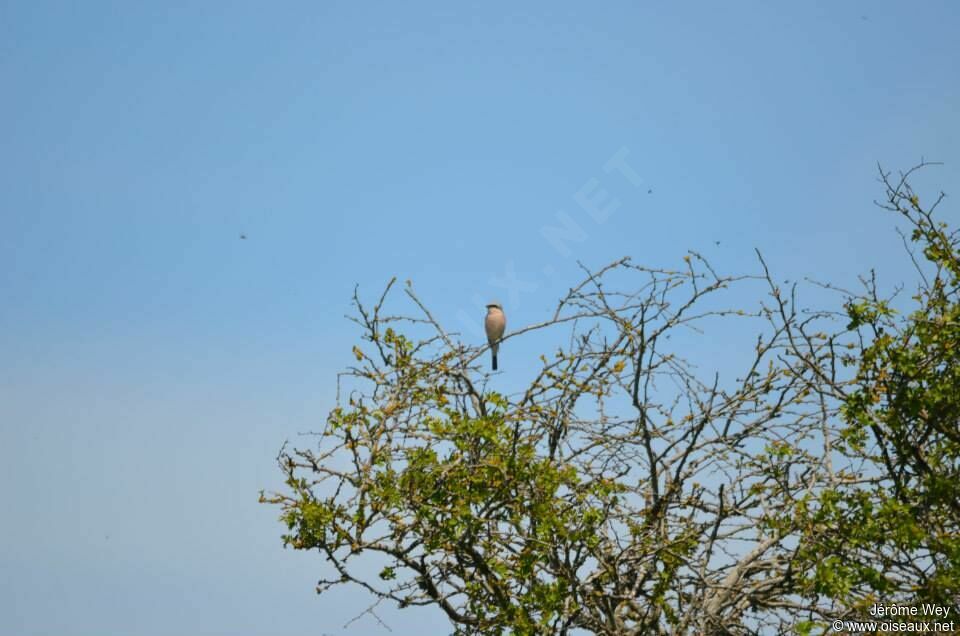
(896, 533)
(620, 492)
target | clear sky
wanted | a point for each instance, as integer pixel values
(152, 362)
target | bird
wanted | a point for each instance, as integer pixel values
(494, 324)
(243, 237)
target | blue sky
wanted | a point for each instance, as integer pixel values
(151, 362)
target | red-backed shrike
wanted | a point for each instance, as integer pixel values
(495, 324)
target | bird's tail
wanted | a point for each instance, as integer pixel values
(493, 352)
(494, 362)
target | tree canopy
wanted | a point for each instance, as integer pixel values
(623, 490)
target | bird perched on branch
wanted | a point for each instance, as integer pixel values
(495, 324)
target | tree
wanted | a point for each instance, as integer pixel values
(620, 491)
(893, 534)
